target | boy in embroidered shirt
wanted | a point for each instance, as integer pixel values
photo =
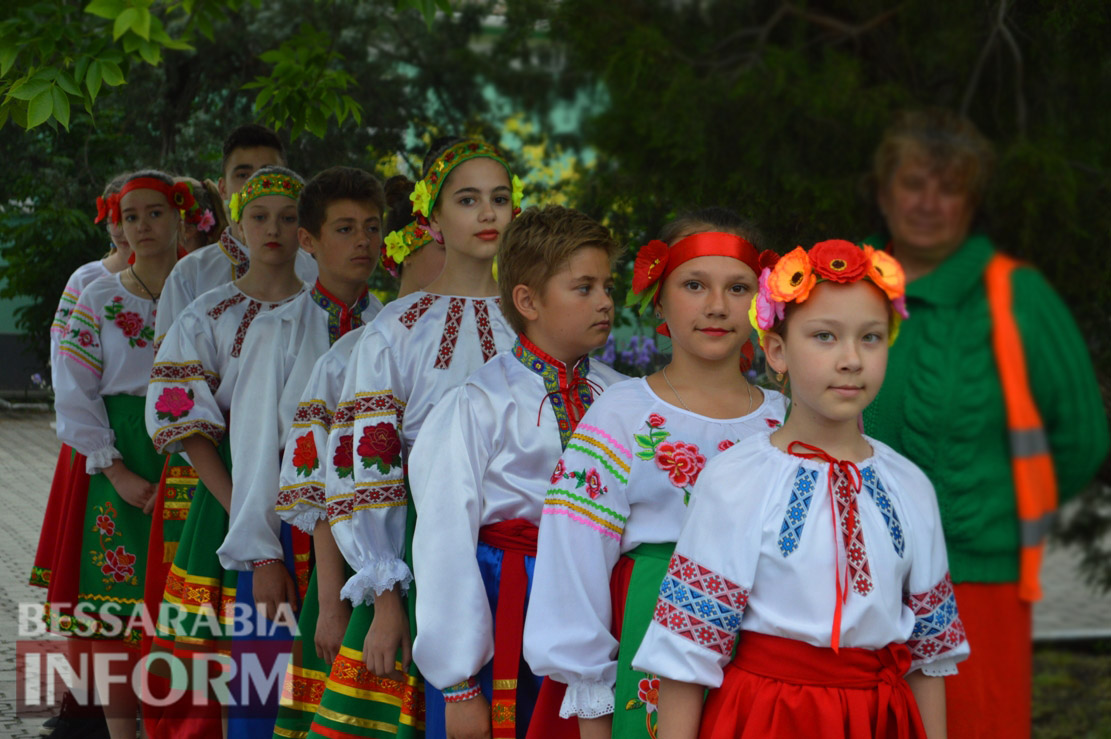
(482, 461)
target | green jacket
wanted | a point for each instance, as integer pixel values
(941, 405)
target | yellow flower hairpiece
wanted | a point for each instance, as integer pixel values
(518, 192)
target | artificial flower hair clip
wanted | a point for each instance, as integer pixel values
(648, 271)
(107, 207)
(399, 245)
(798, 272)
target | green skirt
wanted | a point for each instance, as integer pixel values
(198, 604)
(114, 538)
(636, 693)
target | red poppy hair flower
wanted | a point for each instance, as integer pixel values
(650, 264)
(181, 196)
(839, 261)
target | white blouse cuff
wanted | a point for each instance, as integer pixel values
(304, 517)
(375, 579)
(101, 459)
(940, 668)
(587, 699)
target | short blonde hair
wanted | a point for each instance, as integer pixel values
(538, 243)
(947, 141)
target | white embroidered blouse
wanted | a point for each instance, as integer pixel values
(484, 455)
(208, 267)
(197, 367)
(77, 281)
(278, 356)
(108, 349)
(757, 554)
(624, 481)
(417, 349)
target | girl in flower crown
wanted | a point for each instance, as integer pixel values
(105, 360)
(409, 253)
(418, 348)
(206, 220)
(618, 494)
(815, 550)
(187, 409)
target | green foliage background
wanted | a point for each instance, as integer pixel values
(770, 107)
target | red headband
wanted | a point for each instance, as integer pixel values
(178, 196)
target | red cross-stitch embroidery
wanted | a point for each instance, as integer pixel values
(410, 317)
(485, 333)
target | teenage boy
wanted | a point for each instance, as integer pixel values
(246, 149)
(340, 213)
(483, 460)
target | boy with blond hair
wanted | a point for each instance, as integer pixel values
(483, 460)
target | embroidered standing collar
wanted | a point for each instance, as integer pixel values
(236, 252)
(569, 391)
(341, 318)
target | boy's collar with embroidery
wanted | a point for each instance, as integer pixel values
(341, 318)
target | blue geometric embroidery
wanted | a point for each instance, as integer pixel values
(790, 533)
(699, 604)
(937, 624)
(872, 483)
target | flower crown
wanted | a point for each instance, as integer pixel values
(178, 195)
(427, 191)
(398, 245)
(796, 274)
(204, 220)
(269, 183)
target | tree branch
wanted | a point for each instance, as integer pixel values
(978, 70)
(1020, 95)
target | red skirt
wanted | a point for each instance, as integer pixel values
(777, 687)
(59, 551)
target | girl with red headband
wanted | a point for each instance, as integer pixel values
(814, 550)
(105, 360)
(619, 493)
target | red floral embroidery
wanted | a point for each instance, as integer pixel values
(772, 423)
(656, 420)
(118, 564)
(173, 404)
(380, 447)
(681, 461)
(105, 525)
(130, 322)
(304, 456)
(557, 475)
(85, 338)
(344, 458)
(722, 446)
(594, 484)
(649, 692)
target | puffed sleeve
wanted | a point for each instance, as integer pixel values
(567, 629)
(705, 592)
(938, 641)
(81, 415)
(1063, 382)
(449, 459)
(181, 400)
(256, 444)
(58, 328)
(365, 485)
(301, 497)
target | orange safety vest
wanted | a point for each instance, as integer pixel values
(1031, 461)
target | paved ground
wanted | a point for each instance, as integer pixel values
(28, 450)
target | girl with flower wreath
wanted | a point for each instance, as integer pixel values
(417, 349)
(815, 551)
(206, 220)
(409, 253)
(619, 493)
(191, 386)
(105, 360)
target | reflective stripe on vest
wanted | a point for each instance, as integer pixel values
(1031, 461)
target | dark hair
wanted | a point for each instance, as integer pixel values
(337, 183)
(398, 189)
(537, 243)
(249, 136)
(714, 218)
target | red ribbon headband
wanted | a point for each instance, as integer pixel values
(178, 196)
(656, 260)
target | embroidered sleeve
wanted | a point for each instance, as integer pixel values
(82, 417)
(181, 398)
(66, 304)
(301, 499)
(567, 633)
(938, 631)
(366, 495)
(455, 628)
(700, 605)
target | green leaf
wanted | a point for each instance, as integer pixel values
(124, 21)
(40, 108)
(150, 52)
(80, 68)
(110, 72)
(317, 122)
(8, 54)
(263, 97)
(646, 454)
(141, 24)
(61, 107)
(105, 8)
(67, 83)
(92, 79)
(29, 89)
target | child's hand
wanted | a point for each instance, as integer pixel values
(273, 587)
(388, 631)
(133, 489)
(330, 628)
(469, 719)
